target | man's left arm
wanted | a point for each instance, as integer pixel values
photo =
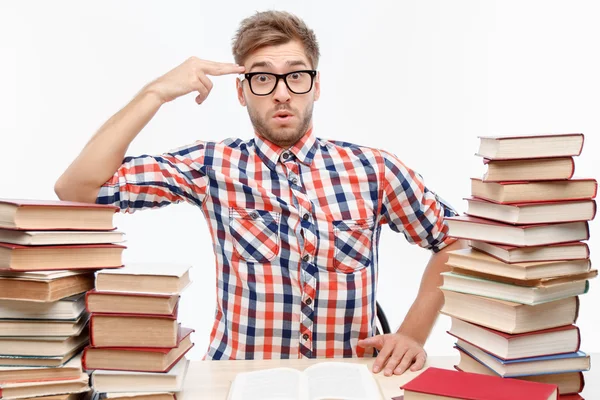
(409, 207)
(400, 350)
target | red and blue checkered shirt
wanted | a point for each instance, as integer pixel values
(295, 234)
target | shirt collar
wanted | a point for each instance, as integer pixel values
(304, 149)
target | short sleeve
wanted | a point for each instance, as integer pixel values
(156, 181)
(408, 206)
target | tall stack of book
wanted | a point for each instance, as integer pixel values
(513, 295)
(49, 251)
(137, 347)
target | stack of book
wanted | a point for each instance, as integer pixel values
(49, 251)
(137, 347)
(513, 295)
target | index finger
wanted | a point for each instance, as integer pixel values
(217, 69)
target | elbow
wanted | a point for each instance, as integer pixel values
(60, 189)
(69, 192)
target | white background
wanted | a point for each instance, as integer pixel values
(421, 79)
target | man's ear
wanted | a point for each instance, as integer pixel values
(240, 92)
(317, 86)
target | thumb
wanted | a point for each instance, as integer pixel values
(374, 341)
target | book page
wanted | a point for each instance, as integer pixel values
(270, 384)
(339, 380)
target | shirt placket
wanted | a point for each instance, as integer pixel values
(308, 240)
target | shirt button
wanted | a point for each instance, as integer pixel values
(294, 180)
(306, 217)
(254, 215)
(306, 257)
(286, 155)
(308, 301)
(305, 336)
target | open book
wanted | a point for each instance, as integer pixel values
(322, 381)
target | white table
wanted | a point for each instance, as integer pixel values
(211, 379)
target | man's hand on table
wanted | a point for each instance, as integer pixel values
(397, 352)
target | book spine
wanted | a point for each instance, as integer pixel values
(572, 168)
(87, 304)
(578, 339)
(84, 358)
(582, 142)
(587, 250)
(581, 382)
(178, 358)
(92, 341)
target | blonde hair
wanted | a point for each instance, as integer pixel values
(272, 28)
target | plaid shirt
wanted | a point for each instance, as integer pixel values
(295, 234)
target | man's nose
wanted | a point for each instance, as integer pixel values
(281, 93)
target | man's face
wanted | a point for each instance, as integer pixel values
(281, 117)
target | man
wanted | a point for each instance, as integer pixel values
(295, 220)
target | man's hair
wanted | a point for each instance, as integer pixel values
(272, 28)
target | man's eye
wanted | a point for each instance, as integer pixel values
(295, 76)
(263, 78)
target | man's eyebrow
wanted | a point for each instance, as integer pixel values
(261, 64)
(268, 64)
(296, 62)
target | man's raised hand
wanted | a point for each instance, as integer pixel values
(191, 76)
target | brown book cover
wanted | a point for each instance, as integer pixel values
(16, 390)
(509, 337)
(133, 330)
(543, 169)
(47, 287)
(28, 214)
(530, 146)
(471, 228)
(510, 317)
(542, 282)
(532, 212)
(507, 253)
(525, 191)
(45, 258)
(136, 303)
(129, 355)
(569, 383)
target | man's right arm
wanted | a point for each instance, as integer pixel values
(103, 154)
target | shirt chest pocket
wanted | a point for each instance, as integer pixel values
(353, 244)
(255, 234)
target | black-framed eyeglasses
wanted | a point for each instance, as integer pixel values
(264, 83)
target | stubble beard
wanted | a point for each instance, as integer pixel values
(286, 136)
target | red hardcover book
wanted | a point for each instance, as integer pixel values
(104, 302)
(515, 254)
(473, 228)
(467, 386)
(512, 147)
(532, 213)
(561, 397)
(21, 214)
(47, 258)
(478, 336)
(568, 382)
(141, 359)
(537, 170)
(510, 192)
(133, 330)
